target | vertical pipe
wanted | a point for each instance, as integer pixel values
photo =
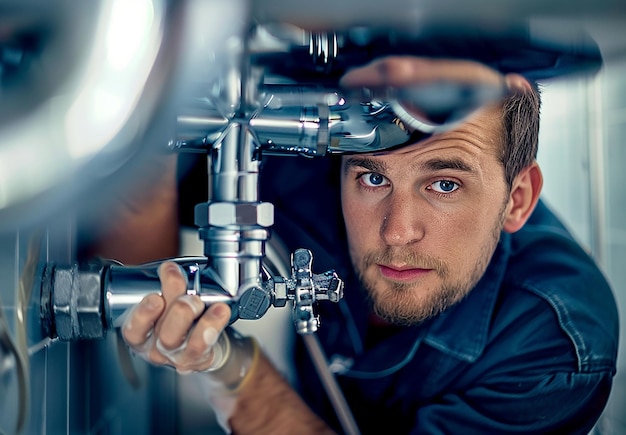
(235, 249)
(235, 172)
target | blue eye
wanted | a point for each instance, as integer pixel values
(374, 179)
(444, 186)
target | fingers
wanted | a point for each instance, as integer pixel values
(173, 281)
(174, 328)
(178, 320)
(193, 352)
(206, 333)
(140, 323)
(401, 71)
(517, 83)
(146, 317)
(388, 71)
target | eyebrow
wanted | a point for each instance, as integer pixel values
(431, 165)
(364, 162)
(439, 164)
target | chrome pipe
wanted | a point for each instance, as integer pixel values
(124, 286)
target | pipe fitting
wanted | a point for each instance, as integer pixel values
(74, 303)
(225, 214)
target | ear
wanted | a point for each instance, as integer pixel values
(523, 199)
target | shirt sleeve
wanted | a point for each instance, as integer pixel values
(528, 379)
(556, 403)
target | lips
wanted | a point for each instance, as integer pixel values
(402, 273)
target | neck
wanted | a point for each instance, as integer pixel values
(378, 330)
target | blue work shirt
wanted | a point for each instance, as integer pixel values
(531, 349)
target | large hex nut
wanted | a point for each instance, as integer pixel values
(280, 291)
(76, 302)
(223, 214)
(89, 307)
(62, 306)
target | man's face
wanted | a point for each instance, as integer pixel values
(423, 221)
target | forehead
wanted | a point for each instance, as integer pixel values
(478, 140)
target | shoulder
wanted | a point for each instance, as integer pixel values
(548, 268)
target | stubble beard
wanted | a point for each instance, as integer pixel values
(412, 303)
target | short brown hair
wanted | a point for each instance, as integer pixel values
(521, 131)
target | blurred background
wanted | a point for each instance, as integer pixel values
(94, 387)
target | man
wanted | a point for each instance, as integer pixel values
(476, 315)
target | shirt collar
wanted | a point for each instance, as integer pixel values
(462, 331)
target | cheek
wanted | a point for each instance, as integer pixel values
(361, 226)
(459, 234)
(350, 213)
(479, 233)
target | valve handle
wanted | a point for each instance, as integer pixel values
(309, 288)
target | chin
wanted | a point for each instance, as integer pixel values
(407, 305)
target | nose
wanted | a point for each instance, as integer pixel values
(401, 223)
